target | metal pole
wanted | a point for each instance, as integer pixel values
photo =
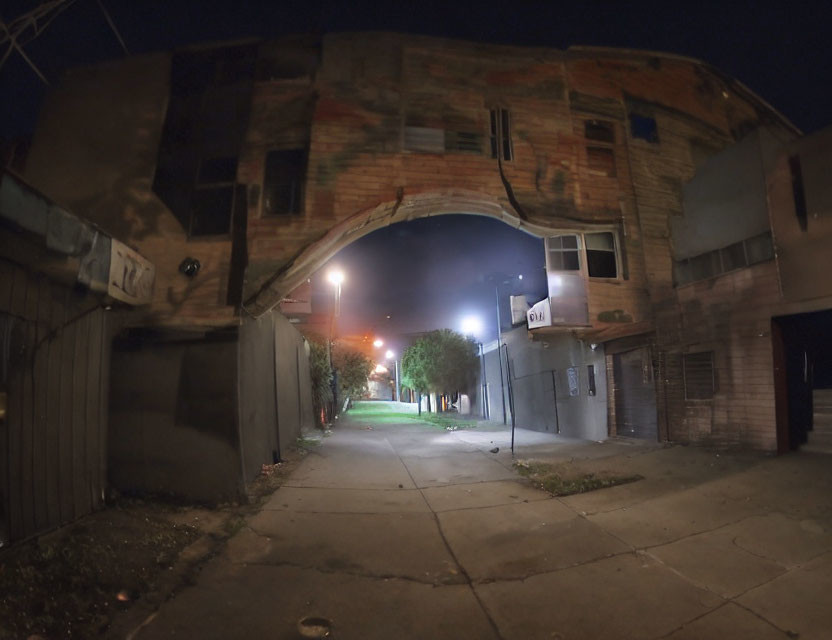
(555, 394)
(500, 352)
(398, 384)
(510, 399)
(484, 382)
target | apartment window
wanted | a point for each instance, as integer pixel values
(564, 253)
(424, 139)
(698, 370)
(463, 141)
(714, 263)
(212, 202)
(599, 130)
(501, 134)
(283, 182)
(600, 255)
(644, 127)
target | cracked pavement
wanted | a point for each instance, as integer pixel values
(409, 531)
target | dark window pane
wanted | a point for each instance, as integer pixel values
(599, 130)
(759, 248)
(704, 266)
(601, 264)
(213, 170)
(681, 272)
(733, 257)
(569, 242)
(211, 211)
(506, 131)
(283, 182)
(644, 127)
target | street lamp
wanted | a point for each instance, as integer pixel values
(336, 278)
(378, 342)
(471, 326)
(497, 283)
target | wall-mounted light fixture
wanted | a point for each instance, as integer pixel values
(189, 267)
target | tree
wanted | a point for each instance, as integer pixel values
(321, 373)
(441, 361)
(353, 369)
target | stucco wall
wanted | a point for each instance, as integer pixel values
(531, 364)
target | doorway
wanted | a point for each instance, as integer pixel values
(802, 353)
(635, 394)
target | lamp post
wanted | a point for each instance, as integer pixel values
(497, 284)
(336, 278)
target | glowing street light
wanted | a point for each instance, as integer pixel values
(471, 325)
(390, 354)
(378, 342)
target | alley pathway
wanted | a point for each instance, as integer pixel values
(397, 529)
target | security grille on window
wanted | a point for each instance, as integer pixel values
(283, 182)
(213, 198)
(699, 375)
(564, 253)
(501, 134)
(600, 255)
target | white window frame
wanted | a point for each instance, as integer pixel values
(584, 266)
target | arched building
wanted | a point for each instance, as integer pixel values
(652, 177)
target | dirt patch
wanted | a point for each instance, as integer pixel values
(108, 571)
(561, 480)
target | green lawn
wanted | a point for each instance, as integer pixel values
(380, 413)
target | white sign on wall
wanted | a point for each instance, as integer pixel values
(540, 315)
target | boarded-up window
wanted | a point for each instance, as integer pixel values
(699, 375)
(424, 139)
(600, 255)
(464, 141)
(601, 160)
(283, 182)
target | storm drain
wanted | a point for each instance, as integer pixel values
(314, 627)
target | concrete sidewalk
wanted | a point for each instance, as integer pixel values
(410, 531)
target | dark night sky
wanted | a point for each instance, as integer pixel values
(430, 273)
(779, 49)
